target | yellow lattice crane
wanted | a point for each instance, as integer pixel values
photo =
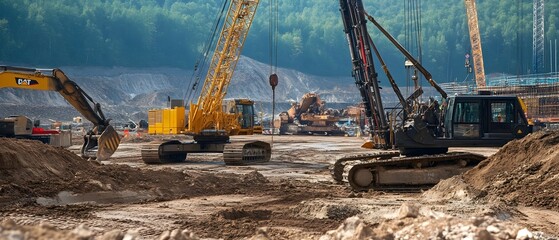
(207, 113)
(210, 125)
(475, 41)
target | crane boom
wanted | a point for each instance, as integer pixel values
(475, 41)
(207, 113)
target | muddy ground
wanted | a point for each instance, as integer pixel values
(48, 192)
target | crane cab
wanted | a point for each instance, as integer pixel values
(244, 109)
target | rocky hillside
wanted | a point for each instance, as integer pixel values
(126, 93)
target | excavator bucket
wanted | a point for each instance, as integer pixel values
(368, 144)
(101, 147)
(375, 142)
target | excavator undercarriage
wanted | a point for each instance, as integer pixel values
(391, 171)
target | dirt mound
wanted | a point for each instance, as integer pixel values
(525, 172)
(454, 188)
(31, 170)
(255, 177)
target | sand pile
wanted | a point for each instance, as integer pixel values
(524, 172)
(31, 168)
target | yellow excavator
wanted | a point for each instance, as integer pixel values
(101, 141)
(208, 123)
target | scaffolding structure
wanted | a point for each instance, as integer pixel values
(540, 93)
(538, 37)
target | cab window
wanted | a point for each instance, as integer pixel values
(502, 112)
(466, 112)
(466, 120)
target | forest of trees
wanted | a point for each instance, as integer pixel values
(172, 33)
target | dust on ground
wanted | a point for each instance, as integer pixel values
(46, 190)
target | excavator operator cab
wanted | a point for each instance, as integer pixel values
(467, 121)
(485, 117)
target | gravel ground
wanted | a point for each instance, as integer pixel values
(48, 192)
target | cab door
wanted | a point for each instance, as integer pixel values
(501, 117)
(466, 117)
(505, 119)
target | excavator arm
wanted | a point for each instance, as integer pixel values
(101, 141)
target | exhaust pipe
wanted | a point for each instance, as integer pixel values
(100, 147)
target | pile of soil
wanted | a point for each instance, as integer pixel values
(416, 223)
(30, 169)
(524, 172)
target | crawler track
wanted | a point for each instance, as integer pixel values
(339, 165)
(389, 171)
(150, 154)
(238, 153)
(243, 153)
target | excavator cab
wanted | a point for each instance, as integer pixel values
(492, 118)
(100, 146)
(465, 121)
